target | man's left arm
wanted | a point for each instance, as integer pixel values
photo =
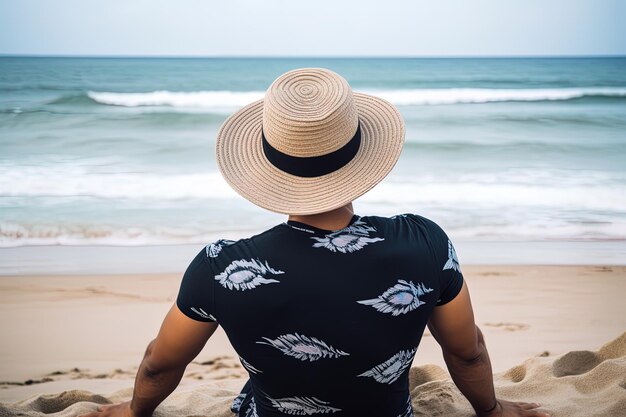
(179, 341)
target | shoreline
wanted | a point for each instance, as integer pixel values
(149, 259)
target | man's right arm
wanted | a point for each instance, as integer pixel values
(179, 341)
(466, 356)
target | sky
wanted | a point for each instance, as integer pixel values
(313, 28)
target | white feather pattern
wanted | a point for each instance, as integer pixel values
(243, 275)
(345, 243)
(302, 406)
(236, 405)
(349, 239)
(249, 367)
(199, 311)
(399, 299)
(251, 411)
(359, 227)
(409, 410)
(390, 370)
(215, 248)
(453, 261)
(303, 347)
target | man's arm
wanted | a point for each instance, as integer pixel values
(179, 341)
(465, 353)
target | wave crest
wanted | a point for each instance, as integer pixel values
(402, 97)
(14, 234)
(488, 95)
(192, 99)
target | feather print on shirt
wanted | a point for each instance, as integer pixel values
(249, 367)
(349, 239)
(302, 406)
(203, 313)
(303, 347)
(359, 227)
(236, 404)
(251, 411)
(215, 248)
(399, 299)
(453, 261)
(244, 275)
(390, 370)
(409, 410)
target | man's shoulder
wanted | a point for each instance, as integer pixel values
(215, 248)
(212, 250)
(409, 225)
(404, 218)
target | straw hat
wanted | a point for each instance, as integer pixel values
(311, 145)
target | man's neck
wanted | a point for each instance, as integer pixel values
(331, 220)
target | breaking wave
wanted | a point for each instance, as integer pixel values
(487, 95)
(13, 234)
(521, 188)
(195, 99)
(403, 97)
(73, 181)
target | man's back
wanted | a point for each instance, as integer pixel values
(326, 321)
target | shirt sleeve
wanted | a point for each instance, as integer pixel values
(446, 260)
(450, 275)
(196, 297)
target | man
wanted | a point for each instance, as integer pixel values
(327, 309)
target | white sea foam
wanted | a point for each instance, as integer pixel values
(477, 194)
(515, 204)
(193, 99)
(543, 189)
(72, 181)
(13, 234)
(402, 97)
(486, 95)
(525, 230)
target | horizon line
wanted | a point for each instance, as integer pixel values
(121, 56)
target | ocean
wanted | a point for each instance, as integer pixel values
(118, 152)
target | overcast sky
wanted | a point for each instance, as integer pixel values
(313, 28)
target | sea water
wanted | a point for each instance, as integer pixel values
(120, 151)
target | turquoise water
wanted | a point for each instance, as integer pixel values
(120, 151)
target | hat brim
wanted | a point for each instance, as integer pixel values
(240, 158)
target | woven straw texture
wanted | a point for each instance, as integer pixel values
(309, 112)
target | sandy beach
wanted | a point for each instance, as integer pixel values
(72, 341)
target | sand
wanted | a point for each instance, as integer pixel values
(555, 335)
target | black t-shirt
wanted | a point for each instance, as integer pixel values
(325, 322)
